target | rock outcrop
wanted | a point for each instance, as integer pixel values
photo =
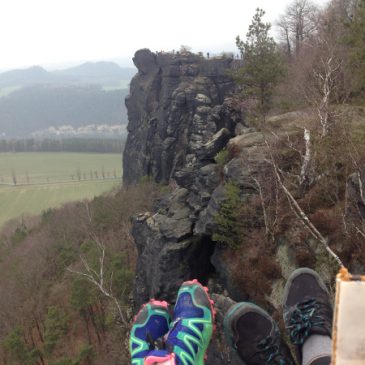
(181, 115)
(175, 107)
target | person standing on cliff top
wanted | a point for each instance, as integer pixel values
(156, 338)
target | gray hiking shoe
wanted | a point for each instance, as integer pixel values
(255, 336)
(307, 308)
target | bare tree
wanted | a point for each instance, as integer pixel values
(285, 35)
(99, 276)
(99, 279)
(305, 176)
(299, 212)
(268, 191)
(325, 75)
(297, 24)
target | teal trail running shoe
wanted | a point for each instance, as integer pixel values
(192, 326)
(161, 357)
(150, 325)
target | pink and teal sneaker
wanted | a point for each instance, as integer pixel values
(160, 357)
(150, 325)
(192, 326)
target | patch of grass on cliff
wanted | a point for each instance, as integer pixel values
(222, 157)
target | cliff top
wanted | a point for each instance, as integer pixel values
(146, 61)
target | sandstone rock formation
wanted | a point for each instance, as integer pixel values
(175, 107)
(181, 115)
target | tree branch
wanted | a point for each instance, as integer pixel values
(297, 210)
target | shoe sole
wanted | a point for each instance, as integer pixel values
(234, 313)
(206, 289)
(203, 356)
(298, 272)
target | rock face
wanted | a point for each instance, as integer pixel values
(181, 115)
(175, 107)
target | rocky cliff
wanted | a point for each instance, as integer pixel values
(182, 113)
(177, 103)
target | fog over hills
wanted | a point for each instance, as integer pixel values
(103, 73)
(35, 108)
(100, 72)
(34, 99)
(32, 75)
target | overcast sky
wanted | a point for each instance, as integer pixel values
(57, 33)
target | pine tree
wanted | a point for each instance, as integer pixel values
(262, 66)
(229, 228)
(56, 325)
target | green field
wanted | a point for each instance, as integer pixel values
(45, 180)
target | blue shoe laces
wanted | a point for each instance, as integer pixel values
(304, 317)
(268, 350)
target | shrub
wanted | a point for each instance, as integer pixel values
(85, 355)
(18, 350)
(19, 234)
(82, 295)
(229, 229)
(56, 326)
(222, 157)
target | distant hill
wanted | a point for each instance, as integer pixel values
(101, 73)
(32, 75)
(36, 108)
(34, 99)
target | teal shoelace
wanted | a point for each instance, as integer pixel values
(304, 317)
(269, 351)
